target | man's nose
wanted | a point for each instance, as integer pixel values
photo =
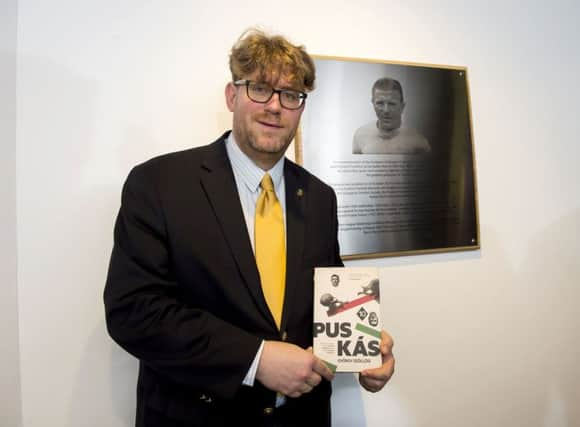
(274, 104)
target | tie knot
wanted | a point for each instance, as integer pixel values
(266, 183)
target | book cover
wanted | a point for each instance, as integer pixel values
(347, 323)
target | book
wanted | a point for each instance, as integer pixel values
(347, 318)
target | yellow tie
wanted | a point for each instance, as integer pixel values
(270, 247)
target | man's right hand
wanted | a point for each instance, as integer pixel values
(289, 369)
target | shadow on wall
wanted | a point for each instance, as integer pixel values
(73, 147)
(104, 385)
(76, 155)
(508, 354)
(347, 401)
(551, 285)
(499, 347)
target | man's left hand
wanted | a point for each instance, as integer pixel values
(374, 380)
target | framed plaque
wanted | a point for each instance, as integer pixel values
(395, 142)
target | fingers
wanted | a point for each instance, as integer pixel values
(387, 343)
(371, 385)
(313, 380)
(323, 370)
(374, 380)
(306, 386)
(383, 372)
(289, 369)
(309, 384)
(319, 371)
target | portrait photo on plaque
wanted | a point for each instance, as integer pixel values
(394, 140)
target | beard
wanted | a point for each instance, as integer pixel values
(256, 137)
(270, 143)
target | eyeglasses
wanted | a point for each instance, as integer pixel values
(263, 92)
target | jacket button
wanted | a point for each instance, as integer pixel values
(268, 411)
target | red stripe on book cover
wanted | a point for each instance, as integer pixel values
(354, 303)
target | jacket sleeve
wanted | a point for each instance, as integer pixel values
(145, 314)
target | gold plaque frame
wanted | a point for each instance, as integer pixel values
(401, 190)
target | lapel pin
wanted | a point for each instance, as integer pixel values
(300, 192)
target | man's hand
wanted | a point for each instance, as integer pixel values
(289, 369)
(375, 379)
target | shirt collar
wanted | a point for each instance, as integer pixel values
(248, 171)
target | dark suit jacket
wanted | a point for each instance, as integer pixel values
(183, 292)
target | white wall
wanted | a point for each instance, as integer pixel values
(10, 410)
(486, 338)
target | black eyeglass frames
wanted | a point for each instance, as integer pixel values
(262, 93)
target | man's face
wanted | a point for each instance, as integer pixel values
(334, 280)
(389, 108)
(263, 131)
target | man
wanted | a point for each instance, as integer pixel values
(334, 280)
(219, 311)
(385, 135)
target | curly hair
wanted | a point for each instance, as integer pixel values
(273, 56)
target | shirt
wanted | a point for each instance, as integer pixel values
(248, 177)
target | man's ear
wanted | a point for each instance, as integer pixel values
(231, 94)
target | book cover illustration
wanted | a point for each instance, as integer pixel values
(347, 324)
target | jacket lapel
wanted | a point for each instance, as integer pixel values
(295, 229)
(218, 181)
